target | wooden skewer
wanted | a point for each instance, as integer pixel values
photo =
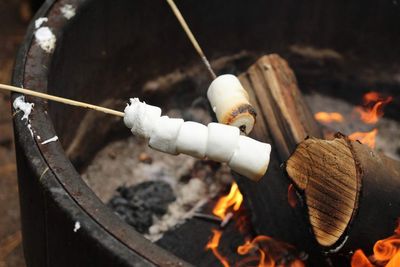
(192, 39)
(61, 100)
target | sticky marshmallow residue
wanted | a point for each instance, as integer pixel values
(20, 104)
(30, 129)
(68, 11)
(77, 226)
(53, 139)
(40, 21)
(46, 39)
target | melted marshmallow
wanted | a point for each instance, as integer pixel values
(53, 139)
(40, 21)
(46, 39)
(68, 11)
(20, 104)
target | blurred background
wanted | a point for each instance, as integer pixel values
(14, 18)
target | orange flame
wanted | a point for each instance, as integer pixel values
(265, 260)
(360, 260)
(386, 253)
(372, 108)
(260, 244)
(328, 117)
(213, 246)
(233, 199)
(367, 138)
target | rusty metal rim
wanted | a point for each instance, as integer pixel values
(53, 156)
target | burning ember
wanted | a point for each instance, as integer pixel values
(328, 117)
(386, 253)
(233, 199)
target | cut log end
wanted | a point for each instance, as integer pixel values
(325, 170)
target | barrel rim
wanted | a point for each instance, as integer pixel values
(82, 203)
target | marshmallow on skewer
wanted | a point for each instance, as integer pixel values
(140, 117)
(251, 158)
(222, 141)
(216, 141)
(192, 139)
(230, 102)
(165, 134)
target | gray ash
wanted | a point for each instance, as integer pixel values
(137, 205)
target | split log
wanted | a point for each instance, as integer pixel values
(352, 193)
(284, 120)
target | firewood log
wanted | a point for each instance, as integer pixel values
(284, 120)
(352, 193)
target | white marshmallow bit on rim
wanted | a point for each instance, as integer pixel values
(230, 102)
(165, 134)
(222, 141)
(251, 158)
(192, 139)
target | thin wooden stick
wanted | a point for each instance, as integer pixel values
(61, 100)
(192, 39)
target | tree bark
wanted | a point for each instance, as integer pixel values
(284, 120)
(351, 192)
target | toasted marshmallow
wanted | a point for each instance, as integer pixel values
(192, 139)
(251, 158)
(222, 141)
(165, 134)
(230, 102)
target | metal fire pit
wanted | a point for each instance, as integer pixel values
(109, 49)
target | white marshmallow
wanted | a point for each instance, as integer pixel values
(230, 102)
(192, 139)
(218, 142)
(222, 141)
(141, 118)
(251, 158)
(165, 134)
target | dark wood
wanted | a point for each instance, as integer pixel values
(283, 119)
(351, 192)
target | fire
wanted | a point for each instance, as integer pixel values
(259, 247)
(386, 253)
(367, 138)
(360, 260)
(262, 244)
(328, 117)
(213, 245)
(265, 260)
(233, 199)
(372, 108)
